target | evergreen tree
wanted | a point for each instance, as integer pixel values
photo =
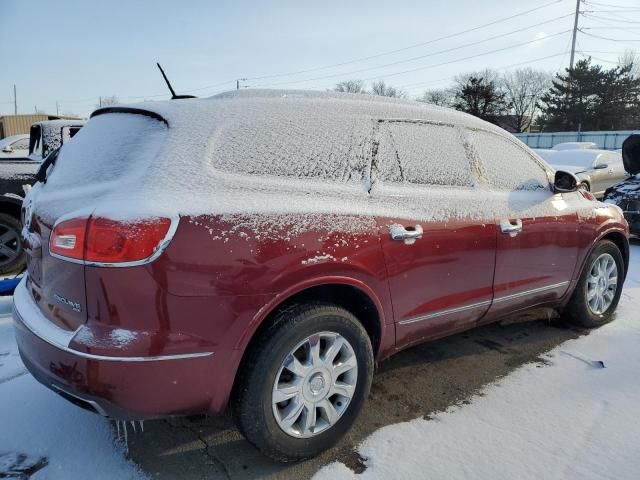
(480, 98)
(589, 97)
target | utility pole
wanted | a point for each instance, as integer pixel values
(15, 100)
(575, 34)
(100, 101)
(57, 108)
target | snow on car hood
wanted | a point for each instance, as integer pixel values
(186, 166)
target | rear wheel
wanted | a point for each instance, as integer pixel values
(598, 291)
(301, 388)
(11, 252)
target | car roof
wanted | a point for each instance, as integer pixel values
(373, 106)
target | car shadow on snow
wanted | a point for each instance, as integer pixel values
(417, 382)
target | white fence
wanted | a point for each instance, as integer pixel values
(605, 140)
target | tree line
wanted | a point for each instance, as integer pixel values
(586, 97)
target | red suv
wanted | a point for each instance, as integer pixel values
(264, 249)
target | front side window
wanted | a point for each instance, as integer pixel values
(421, 153)
(506, 165)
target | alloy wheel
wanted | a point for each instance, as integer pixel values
(314, 385)
(10, 245)
(602, 283)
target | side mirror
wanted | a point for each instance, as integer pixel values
(7, 149)
(600, 166)
(565, 182)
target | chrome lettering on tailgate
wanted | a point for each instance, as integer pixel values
(75, 306)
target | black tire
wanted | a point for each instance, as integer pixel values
(251, 405)
(578, 310)
(12, 257)
(584, 186)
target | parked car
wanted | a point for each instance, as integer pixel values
(264, 249)
(16, 174)
(596, 169)
(14, 146)
(626, 195)
(576, 146)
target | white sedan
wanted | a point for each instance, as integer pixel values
(14, 146)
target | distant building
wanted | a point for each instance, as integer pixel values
(17, 124)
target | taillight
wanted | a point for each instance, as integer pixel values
(102, 240)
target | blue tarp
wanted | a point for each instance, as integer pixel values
(8, 285)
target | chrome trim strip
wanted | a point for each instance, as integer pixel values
(533, 291)
(444, 312)
(175, 220)
(464, 308)
(64, 338)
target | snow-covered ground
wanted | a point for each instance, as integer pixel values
(577, 418)
(63, 441)
(570, 419)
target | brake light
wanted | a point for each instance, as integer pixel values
(103, 240)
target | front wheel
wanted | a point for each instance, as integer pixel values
(302, 386)
(598, 291)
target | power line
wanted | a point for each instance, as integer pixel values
(600, 4)
(391, 52)
(607, 38)
(418, 68)
(609, 19)
(413, 86)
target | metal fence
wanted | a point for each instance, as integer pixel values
(604, 140)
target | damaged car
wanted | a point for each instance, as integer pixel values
(626, 194)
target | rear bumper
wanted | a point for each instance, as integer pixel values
(120, 387)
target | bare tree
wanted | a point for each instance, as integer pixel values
(384, 90)
(350, 86)
(106, 101)
(630, 59)
(443, 97)
(523, 89)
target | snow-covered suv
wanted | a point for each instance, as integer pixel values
(266, 248)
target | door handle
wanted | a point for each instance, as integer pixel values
(408, 235)
(511, 227)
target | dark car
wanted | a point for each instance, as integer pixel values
(17, 173)
(626, 194)
(264, 249)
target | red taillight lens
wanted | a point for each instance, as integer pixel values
(103, 240)
(68, 238)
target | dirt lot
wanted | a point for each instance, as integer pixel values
(413, 383)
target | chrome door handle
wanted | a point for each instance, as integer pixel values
(407, 235)
(511, 227)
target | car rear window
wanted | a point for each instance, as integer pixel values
(296, 146)
(112, 147)
(422, 153)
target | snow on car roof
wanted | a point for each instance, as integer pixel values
(191, 167)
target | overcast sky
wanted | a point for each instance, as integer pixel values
(74, 51)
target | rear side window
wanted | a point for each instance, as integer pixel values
(506, 165)
(421, 153)
(296, 146)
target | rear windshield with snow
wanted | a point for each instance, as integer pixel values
(421, 153)
(506, 165)
(111, 147)
(301, 146)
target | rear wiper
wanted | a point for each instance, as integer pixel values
(50, 161)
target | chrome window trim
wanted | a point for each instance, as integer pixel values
(471, 306)
(173, 227)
